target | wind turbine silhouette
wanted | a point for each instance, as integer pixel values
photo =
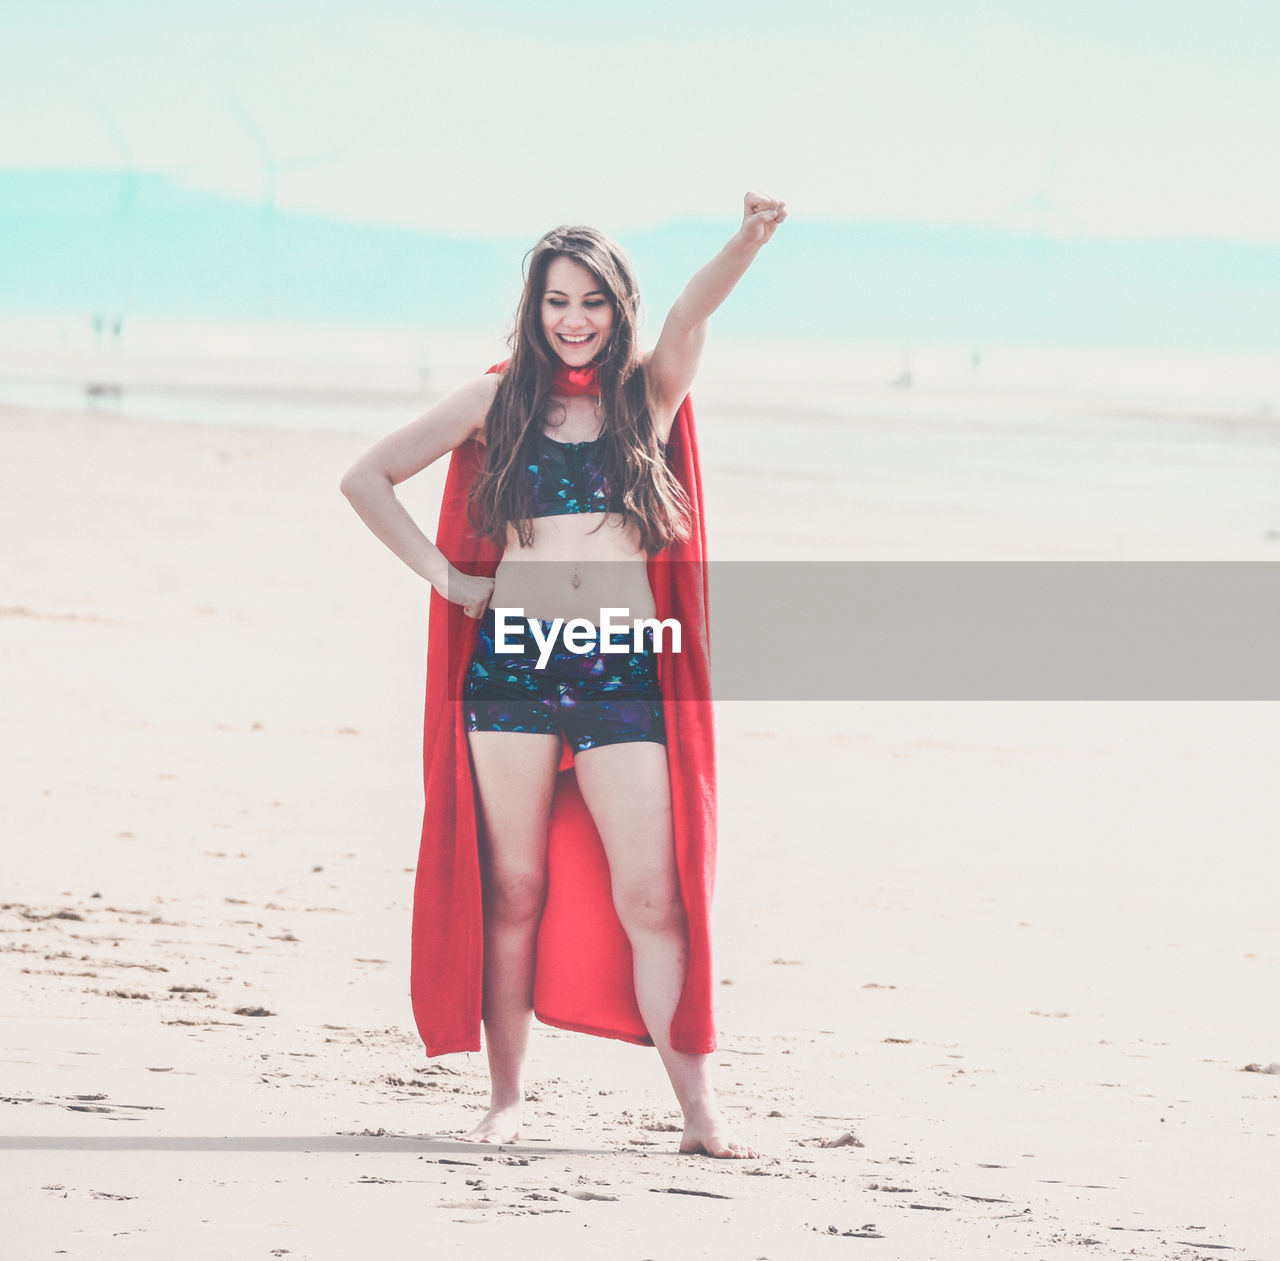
(272, 169)
(1042, 209)
(1042, 214)
(271, 181)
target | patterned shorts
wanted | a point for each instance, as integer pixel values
(595, 698)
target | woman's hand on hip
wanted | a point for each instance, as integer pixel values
(468, 590)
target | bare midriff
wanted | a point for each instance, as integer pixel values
(576, 565)
(580, 562)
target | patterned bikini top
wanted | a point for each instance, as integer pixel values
(567, 479)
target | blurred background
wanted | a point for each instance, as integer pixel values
(316, 215)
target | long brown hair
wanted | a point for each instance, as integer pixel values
(641, 485)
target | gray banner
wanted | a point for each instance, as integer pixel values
(996, 631)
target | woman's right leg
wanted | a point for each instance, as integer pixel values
(515, 778)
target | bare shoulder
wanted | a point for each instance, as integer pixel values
(461, 413)
(456, 418)
(488, 390)
(484, 388)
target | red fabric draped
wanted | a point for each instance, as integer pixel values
(583, 979)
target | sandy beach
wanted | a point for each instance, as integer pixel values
(990, 975)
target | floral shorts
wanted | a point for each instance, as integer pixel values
(595, 698)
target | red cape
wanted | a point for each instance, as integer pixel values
(583, 979)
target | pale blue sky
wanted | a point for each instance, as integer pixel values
(1138, 118)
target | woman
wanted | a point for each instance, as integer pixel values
(574, 472)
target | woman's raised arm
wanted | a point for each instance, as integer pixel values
(674, 361)
(370, 483)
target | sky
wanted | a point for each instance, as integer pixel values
(1125, 118)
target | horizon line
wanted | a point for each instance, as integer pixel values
(990, 225)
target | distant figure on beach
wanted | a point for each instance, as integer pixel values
(568, 841)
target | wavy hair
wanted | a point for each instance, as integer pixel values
(642, 486)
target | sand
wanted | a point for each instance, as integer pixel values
(990, 975)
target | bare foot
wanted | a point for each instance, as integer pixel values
(712, 1137)
(499, 1125)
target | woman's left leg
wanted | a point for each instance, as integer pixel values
(628, 791)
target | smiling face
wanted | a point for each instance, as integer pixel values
(577, 316)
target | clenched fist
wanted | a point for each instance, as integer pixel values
(761, 216)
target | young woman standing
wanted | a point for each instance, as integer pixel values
(574, 476)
